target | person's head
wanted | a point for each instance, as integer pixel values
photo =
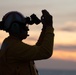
(14, 23)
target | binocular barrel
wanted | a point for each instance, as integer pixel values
(32, 19)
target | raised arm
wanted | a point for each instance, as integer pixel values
(47, 21)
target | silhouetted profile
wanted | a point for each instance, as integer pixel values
(16, 57)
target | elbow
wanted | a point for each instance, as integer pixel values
(46, 52)
(49, 55)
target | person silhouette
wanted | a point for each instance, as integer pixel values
(18, 57)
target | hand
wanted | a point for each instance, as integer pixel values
(46, 19)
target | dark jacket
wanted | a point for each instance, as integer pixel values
(18, 57)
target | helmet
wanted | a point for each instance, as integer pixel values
(12, 20)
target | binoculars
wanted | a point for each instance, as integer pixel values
(32, 19)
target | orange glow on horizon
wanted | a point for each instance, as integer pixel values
(64, 55)
(62, 37)
(69, 38)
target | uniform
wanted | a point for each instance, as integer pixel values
(19, 57)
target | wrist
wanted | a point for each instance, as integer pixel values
(48, 27)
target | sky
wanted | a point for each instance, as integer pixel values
(64, 23)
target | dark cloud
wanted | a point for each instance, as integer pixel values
(68, 26)
(65, 47)
(69, 29)
(56, 64)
